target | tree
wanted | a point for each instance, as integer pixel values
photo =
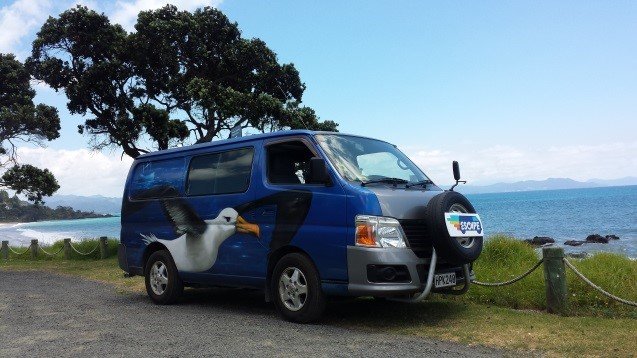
(180, 77)
(22, 121)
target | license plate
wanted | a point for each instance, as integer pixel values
(445, 279)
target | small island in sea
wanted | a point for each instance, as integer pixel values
(13, 209)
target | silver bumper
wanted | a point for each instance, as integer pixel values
(359, 258)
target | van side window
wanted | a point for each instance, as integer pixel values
(220, 173)
(158, 179)
(288, 163)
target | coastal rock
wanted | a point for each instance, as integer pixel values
(540, 241)
(574, 243)
(597, 239)
(612, 237)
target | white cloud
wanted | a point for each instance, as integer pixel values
(19, 19)
(125, 12)
(507, 163)
(81, 171)
(84, 172)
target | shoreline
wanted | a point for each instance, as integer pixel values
(13, 223)
(9, 224)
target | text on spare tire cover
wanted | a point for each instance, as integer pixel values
(463, 224)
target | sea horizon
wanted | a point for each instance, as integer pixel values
(562, 214)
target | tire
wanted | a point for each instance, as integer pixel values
(453, 250)
(160, 264)
(310, 305)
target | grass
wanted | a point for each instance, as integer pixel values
(504, 258)
(87, 266)
(105, 270)
(479, 324)
(508, 317)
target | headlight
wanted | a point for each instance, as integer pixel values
(379, 231)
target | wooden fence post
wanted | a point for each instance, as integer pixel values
(34, 249)
(103, 247)
(555, 280)
(5, 249)
(67, 249)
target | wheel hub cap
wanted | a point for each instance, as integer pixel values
(293, 288)
(159, 278)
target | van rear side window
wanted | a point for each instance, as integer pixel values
(220, 173)
(159, 179)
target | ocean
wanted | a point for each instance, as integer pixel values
(570, 214)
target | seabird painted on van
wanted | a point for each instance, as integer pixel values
(197, 244)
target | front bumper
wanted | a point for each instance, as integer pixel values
(359, 259)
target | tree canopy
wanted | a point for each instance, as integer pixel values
(181, 77)
(22, 121)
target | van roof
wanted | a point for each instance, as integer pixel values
(238, 140)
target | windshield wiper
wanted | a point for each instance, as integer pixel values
(422, 182)
(385, 180)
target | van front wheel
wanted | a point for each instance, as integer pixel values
(296, 289)
(163, 284)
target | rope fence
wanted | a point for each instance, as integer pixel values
(67, 249)
(48, 253)
(85, 253)
(599, 289)
(555, 264)
(19, 253)
(505, 283)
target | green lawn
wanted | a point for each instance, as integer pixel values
(511, 317)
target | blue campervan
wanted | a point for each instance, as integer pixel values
(301, 215)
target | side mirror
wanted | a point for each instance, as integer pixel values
(456, 171)
(318, 171)
(456, 175)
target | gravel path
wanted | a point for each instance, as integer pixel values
(43, 314)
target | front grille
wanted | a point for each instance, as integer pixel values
(417, 236)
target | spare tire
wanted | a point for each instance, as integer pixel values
(457, 250)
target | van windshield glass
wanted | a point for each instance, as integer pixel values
(369, 160)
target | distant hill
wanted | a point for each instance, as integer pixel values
(547, 184)
(12, 209)
(97, 203)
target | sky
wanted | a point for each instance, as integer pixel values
(512, 90)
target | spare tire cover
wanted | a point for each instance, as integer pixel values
(454, 250)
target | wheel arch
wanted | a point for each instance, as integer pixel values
(274, 257)
(150, 249)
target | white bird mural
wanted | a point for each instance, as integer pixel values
(197, 247)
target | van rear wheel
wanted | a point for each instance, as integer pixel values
(163, 284)
(296, 289)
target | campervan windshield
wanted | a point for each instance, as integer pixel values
(364, 160)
